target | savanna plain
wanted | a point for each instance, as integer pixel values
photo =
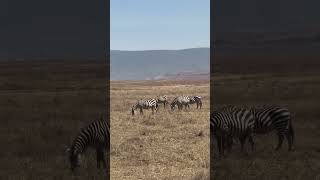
(164, 145)
(291, 83)
(43, 106)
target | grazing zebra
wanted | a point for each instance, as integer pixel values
(180, 101)
(275, 118)
(232, 109)
(219, 128)
(162, 100)
(96, 135)
(145, 104)
(241, 123)
(196, 99)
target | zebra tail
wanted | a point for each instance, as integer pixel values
(132, 111)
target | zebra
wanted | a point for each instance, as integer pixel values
(180, 101)
(196, 99)
(96, 135)
(270, 118)
(219, 129)
(145, 104)
(232, 109)
(241, 123)
(162, 100)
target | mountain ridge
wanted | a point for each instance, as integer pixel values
(140, 65)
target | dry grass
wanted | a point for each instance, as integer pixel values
(43, 106)
(166, 145)
(300, 92)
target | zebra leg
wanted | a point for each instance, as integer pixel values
(291, 133)
(280, 140)
(141, 111)
(220, 144)
(103, 159)
(152, 109)
(251, 142)
(229, 142)
(289, 139)
(242, 141)
(98, 157)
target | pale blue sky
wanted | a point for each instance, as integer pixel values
(159, 24)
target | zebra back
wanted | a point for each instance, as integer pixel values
(271, 118)
(180, 100)
(162, 99)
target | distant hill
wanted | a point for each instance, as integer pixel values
(141, 65)
(183, 76)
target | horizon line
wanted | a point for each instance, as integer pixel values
(160, 49)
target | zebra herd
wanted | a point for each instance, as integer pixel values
(233, 122)
(226, 124)
(153, 103)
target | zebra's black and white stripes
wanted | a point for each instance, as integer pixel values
(219, 128)
(180, 101)
(96, 135)
(276, 118)
(268, 119)
(239, 122)
(145, 104)
(162, 100)
(197, 100)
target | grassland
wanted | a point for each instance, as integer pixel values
(298, 91)
(166, 145)
(43, 106)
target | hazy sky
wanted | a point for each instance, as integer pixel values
(159, 24)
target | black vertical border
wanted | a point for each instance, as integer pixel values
(107, 55)
(212, 5)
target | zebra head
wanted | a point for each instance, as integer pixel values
(74, 159)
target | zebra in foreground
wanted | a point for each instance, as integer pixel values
(96, 135)
(145, 104)
(180, 101)
(240, 124)
(196, 99)
(162, 100)
(272, 118)
(219, 129)
(276, 118)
